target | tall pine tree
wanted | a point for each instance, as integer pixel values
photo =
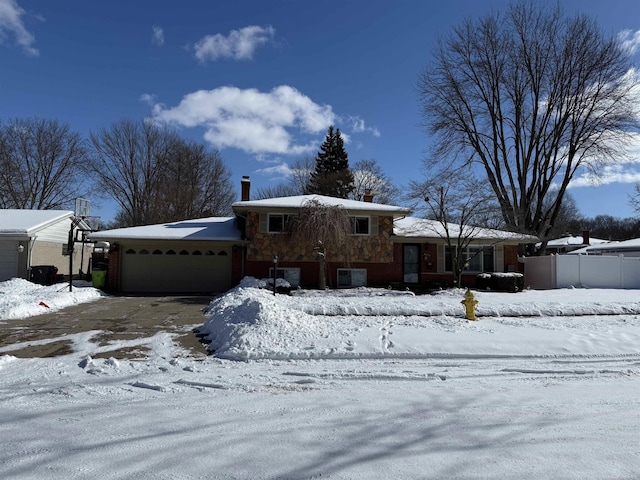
(332, 176)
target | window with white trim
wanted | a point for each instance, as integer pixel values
(352, 277)
(291, 275)
(359, 225)
(277, 222)
(477, 259)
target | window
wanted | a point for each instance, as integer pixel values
(352, 277)
(131, 251)
(157, 252)
(277, 222)
(291, 275)
(359, 225)
(170, 252)
(184, 252)
(144, 251)
(222, 253)
(478, 259)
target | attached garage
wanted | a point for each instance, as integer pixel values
(191, 256)
(177, 268)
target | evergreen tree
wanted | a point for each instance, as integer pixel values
(331, 176)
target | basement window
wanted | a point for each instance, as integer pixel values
(291, 275)
(352, 277)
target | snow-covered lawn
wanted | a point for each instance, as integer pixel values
(351, 384)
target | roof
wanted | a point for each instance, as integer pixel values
(298, 201)
(422, 228)
(611, 247)
(572, 241)
(18, 222)
(212, 228)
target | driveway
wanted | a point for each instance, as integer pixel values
(117, 319)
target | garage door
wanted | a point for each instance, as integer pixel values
(175, 270)
(8, 259)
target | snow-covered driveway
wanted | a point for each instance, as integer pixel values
(346, 394)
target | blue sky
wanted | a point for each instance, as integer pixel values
(260, 80)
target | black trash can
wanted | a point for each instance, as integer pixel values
(44, 274)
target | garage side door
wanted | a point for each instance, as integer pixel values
(8, 259)
(181, 270)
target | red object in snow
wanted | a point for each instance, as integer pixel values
(43, 304)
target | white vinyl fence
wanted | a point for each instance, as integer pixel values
(591, 271)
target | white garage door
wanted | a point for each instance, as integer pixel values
(175, 270)
(8, 259)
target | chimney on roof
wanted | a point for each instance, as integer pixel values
(246, 188)
(585, 237)
(368, 196)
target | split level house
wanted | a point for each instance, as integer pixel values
(386, 247)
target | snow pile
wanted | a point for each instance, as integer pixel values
(249, 322)
(20, 298)
(252, 323)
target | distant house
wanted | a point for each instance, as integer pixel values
(33, 238)
(571, 243)
(387, 247)
(626, 248)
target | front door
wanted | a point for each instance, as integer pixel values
(411, 263)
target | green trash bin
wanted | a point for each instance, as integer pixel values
(99, 278)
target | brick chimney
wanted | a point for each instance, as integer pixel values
(368, 196)
(585, 237)
(246, 188)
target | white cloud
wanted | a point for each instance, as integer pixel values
(148, 98)
(238, 45)
(157, 37)
(620, 173)
(250, 120)
(629, 40)
(358, 126)
(11, 22)
(281, 170)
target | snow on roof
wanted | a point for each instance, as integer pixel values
(212, 228)
(573, 241)
(28, 222)
(611, 247)
(299, 200)
(420, 227)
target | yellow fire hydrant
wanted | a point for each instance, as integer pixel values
(469, 303)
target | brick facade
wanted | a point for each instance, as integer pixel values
(374, 248)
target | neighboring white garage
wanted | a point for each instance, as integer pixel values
(31, 238)
(8, 259)
(191, 256)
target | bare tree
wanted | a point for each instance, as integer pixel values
(195, 183)
(460, 205)
(125, 163)
(530, 96)
(369, 177)
(155, 176)
(323, 227)
(40, 164)
(276, 191)
(297, 183)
